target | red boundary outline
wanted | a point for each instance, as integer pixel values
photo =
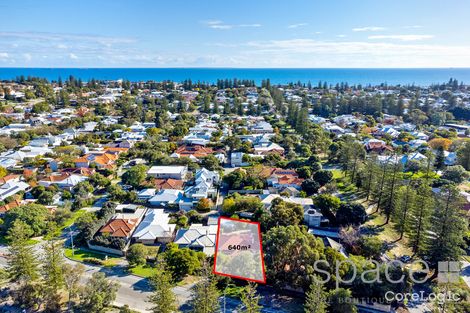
(260, 247)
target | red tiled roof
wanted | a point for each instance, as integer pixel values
(119, 227)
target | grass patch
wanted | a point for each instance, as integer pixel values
(388, 234)
(70, 221)
(337, 173)
(145, 271)
(80, 254)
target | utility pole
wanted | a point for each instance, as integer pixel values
(71, 240)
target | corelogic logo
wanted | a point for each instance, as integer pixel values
(448, 271)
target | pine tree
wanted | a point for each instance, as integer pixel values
(420, 220)
(52, 272)
(22, 263)
(405, 200)
(250, 299)
(316, 299)
(440, 158)
(163, 298)
(448, 227)
(205, 297)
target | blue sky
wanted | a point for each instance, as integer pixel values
(256, 33)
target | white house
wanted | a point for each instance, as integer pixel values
(155, 227)
(175, 172)
(166, 197)
(11, 188)
(197, 237)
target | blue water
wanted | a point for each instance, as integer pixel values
(422, 77)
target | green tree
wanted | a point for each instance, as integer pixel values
(440, 158)
(250, 300)
(135, 175)
(163, 298)
(447, 227)
(316, 299)
(456, 174)
(350, 155)
(283, 214)
(420, 219)
(205, 295)
(52, 273)
(33, 215)
(182, 262)
(137, 255)
(98, 293)
(72, 277)
(463, 156)
(405, 201)
(22, 263)
(341, 301)
(351, 214)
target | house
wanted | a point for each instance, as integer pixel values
(196, 151)
(267, 147)
(11, 188)
(450, 158)
(281, 178)
(62, 180)
(261, 127)
(146, 194)
(388, 130)
(166, 197)
(155, 227)
(376, 146)
(13, 204)
(197, 237)
(305, 203)
(174, 172)
(168, 183)
(204, 181)
(100, 160)
(313, 218)
(119, 228)
(236, 159)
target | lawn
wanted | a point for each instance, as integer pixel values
(387, 234)
(80, 255)
(145, 271)
(69, 222)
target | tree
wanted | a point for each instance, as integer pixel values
(182, 262)
(33, 215)
(341, 301)
(72, 278)
(205, 296)
(316, 299)
(284, 213)
(464, 156)
(250, 300)
(137, 255)
(440, 158)
(350, 154)
(98, 294)
(323, 177)
(3, 172)
(135, 175)
(405, 201)
(52, 273)
(420, 219)
(163, 298)
(447, 227)
(351, 214)
(204, 205)
(328, 205)
(290, 253)
(310, 186)
(456, 174)
(22, 263)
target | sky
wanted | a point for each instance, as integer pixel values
(242, 34)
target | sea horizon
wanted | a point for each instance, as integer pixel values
(364, 76)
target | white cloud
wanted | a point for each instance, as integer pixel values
(341, 36)
(413, 26)
(3, 55)
(218, 24)
(27, 57)
(73, 56)
(368, 29)
(297, 25)
(402, 37)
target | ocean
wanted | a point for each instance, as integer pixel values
(421, 77)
